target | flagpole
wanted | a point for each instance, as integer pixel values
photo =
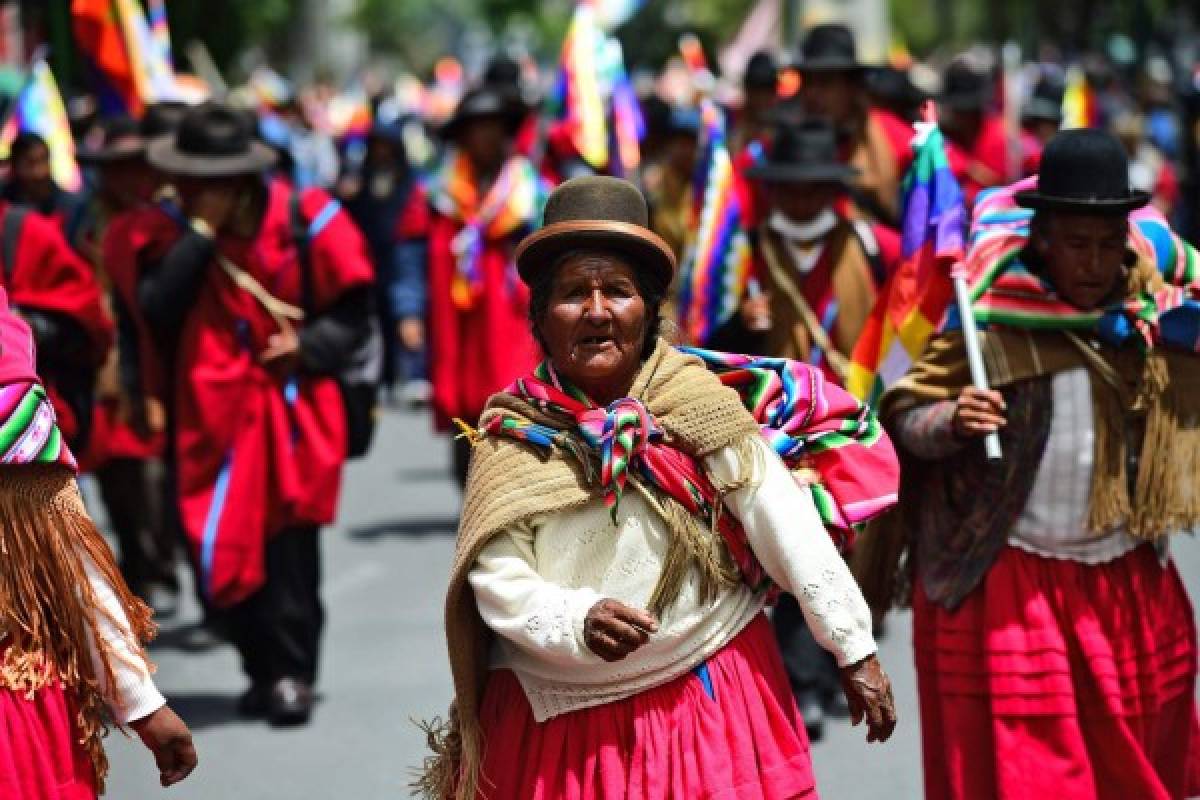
(958, 277)
(962, 295)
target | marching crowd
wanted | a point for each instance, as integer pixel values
(218, 318)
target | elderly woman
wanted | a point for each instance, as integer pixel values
(625, 523)
(1055, 643)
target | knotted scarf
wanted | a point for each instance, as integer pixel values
(511, 207)
(832, 441)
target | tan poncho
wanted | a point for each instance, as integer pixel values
(510, 482)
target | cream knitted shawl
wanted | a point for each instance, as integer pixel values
(509, 482)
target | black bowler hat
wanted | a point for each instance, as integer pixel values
(1045, 103)
(829, 48)
(120, 139)
(124, 138)
(761, 72)
(965, 87)
(1084, 170)
(495, 101)
(212, 141)
(804, 153)
(162, 118)
(596, 212)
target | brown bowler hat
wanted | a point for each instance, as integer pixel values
(601, 213)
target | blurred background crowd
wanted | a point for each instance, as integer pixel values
(739, 120)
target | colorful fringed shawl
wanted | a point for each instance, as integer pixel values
(833, 442)
(510, 208)
(1005, 291)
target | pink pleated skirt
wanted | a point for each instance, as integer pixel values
(1056, 679)
(728, 731)
(39, 756)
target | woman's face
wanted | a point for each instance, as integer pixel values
(1084, 256)
(595, 325)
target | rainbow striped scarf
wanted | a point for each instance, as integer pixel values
(833, 443)
(29, 431)
(1005, 291)
(511, 208)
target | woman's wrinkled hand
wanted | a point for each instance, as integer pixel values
(869, 694)
(168, 738)
(613, 630)
(979, 412)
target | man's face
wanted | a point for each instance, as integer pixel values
(485, 141)
(127, 182)
(1084, 255)
(32, 172)
(758, 102)
(837, 96)
(681, 153)
(801, 202)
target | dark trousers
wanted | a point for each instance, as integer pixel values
(277, 630)
(810, 668)
(132, 491)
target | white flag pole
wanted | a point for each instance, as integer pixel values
(958, 274)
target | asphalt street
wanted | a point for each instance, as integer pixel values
(384, 663)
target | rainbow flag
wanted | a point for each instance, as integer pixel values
(594, 97)
(156, 16)
(151, 62)
(579, 92)
(39, 109)
(916, 297)
(100, 37)
(130, 55)
(1080, 109)
(716, 266)
(629, 126)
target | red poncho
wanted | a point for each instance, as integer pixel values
(49, 276)
(255, 453)
(475, 352)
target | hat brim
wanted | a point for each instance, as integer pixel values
(645, 249)
(1037, 201)
(1042, 111)
(512, 119)
(110, 155)
(163, 154)
(965, 101)
(787, 173)
(830, 65)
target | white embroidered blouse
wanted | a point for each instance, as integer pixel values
(535, 583)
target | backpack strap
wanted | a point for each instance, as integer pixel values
(870, 245)
(303, 232)
(14, 221)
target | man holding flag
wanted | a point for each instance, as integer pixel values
(819, 270)
(1055, 644)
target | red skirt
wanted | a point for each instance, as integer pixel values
(1060, 679)
(736, 737)
(40, 758)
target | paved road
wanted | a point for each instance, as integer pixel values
(384, 665)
